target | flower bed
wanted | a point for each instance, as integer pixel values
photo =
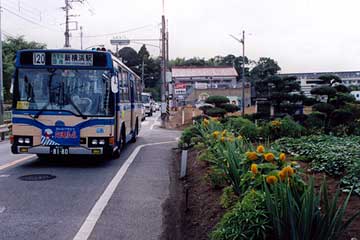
(262, 186)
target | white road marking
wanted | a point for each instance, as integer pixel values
(155, 123)
(4, 175)
(2, 209)
(10, 164)
(95, 213)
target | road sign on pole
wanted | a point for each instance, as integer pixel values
(120, 41)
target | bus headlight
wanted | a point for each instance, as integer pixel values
(20, 140)
(23, 140)
(94, 142)
(102, 142)
(27, 140)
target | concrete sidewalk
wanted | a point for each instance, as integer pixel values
(135, 210)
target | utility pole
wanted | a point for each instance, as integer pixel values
(81, 37)
(67, 20)
(142, 74)
(163, 70)
(1, 75)
(243, 74)
(67, 33)
(242, 41)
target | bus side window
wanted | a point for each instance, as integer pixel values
(126, 86)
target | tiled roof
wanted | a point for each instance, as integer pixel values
(204, 72)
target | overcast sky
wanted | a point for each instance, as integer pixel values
(302, 35)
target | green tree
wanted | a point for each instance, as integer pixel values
(129, 57)
(143, 53)
(10, 46)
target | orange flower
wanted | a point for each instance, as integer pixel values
(206, 122)
(216, 134)
(288, 171)
(222, 139)
(282, 157)
(269, 157)
(251, 156)
(254, 168)
(223, 133)
(282, 175)
(260, 149)
(271, 179)
(239, 137)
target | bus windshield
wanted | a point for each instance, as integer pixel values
(82, 92)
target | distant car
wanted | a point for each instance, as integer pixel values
(148, 104)
(157, 106)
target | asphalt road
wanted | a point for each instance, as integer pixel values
(89, 199)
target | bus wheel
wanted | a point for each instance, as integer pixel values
(116, 153)
(135, 133)
(123, 139)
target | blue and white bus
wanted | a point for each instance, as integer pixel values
(73, 102)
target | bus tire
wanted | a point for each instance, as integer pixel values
(135, 132)
(116, 153)
(123, 139)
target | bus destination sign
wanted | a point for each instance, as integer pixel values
(65, 59)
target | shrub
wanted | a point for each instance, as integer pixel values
(216, 177)
(309, 101)
(341, 88)
(243, 127)
(186, 137)
(315, 122)
(324, 108)
(323, 90)
(230, 108)
(341, 116)
(215, 112)
(217, 100)
(228, 198)
(278, 128)
(204, 108)
(246, 221)
(297, 215)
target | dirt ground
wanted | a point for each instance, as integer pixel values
(202, 211)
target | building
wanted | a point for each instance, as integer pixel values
(310, 80)
(193, 84)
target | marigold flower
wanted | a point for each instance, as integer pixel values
(276, 123)
(251, 156)
(254, 168)
(240, 137)
(271, 179)
(230, 139)
(206, 122)
(282, 156)
(282, 175)
(260, 149)
(288, 171)
(269, 157)
(223, 133)
(216, 134)
(222, 139)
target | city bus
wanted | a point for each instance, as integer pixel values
(73, 102)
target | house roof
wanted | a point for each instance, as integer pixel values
(178, 72)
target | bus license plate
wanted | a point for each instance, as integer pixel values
(59, 151)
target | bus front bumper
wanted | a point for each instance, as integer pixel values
(46, 150)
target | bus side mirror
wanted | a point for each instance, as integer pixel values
(114, 84)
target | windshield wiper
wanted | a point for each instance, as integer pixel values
(76, 108)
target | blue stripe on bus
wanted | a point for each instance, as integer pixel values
(49, 113)
(89, 123)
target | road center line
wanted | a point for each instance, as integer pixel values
(10, 164)
(95, 213)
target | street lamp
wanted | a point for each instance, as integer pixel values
(242, 41)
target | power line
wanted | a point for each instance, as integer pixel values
(115, 33)
(29, 20)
